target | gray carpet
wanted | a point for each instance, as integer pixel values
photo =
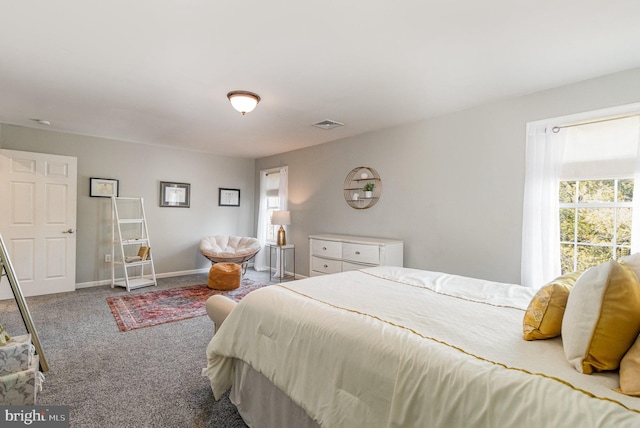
(142, 378)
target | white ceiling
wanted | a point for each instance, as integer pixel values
(158, 71)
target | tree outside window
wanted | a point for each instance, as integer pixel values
(595, 222)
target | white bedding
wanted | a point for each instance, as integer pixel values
(400, 347)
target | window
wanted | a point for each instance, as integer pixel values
(273, 204)
(578, 193)
(596, 212)
(273, 196)
(595, 222)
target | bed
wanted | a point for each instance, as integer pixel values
(399, 347)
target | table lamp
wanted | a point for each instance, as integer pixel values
(282, 218)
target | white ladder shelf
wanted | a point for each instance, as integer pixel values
(130, 235)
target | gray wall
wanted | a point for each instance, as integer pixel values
(452, 185)
(175, 232)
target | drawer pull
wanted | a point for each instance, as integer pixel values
(326, 266)
(324, 248)
(357, 253)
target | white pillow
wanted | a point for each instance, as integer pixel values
(602, 317)
(633, 261)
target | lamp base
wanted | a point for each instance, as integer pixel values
(282, 238)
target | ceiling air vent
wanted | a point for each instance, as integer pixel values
(328, 124)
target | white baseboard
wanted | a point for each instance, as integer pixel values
(159, 275)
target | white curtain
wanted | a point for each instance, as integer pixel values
(283, 191)
(541, 218)
(635, 219)
(261, 260)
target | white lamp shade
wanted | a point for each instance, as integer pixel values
(243, 101)
(281, 217)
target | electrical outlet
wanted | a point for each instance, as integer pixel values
(107, 258)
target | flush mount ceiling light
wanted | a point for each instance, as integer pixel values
(243, 101)
(328, 124)
(42, 122)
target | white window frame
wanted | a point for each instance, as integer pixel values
(586, 205)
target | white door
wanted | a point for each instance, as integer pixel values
(38, 221)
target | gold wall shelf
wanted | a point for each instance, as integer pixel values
(354, 187)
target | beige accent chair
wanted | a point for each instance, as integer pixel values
(230, 249)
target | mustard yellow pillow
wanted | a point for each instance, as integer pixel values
(630, 371)
(602, 317)
(543, 318)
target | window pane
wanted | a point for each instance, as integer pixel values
(566, 258)
(589, 256)
(622, 251)
(625, 190)
(624, 226)
(567, 224)
(567, 192)
(596, 191)
(595, 225)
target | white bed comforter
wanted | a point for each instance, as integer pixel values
(398, 347)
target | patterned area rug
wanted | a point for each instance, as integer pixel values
(139, 310)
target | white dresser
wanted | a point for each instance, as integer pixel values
(341, 253)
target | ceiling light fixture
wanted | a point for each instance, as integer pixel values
(243, 101)
(328, 124)
(42, 122)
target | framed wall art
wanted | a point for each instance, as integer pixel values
(103, 187)
(228, 197)
(175, 194)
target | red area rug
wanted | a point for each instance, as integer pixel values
(139, 310)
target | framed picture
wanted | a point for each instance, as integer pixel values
(228, 197)
(175, 194)
(103, 187)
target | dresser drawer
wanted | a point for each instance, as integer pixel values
(347, 266)
(322, 248)
(325, 265)
(362, 253)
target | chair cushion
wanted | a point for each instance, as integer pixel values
(229, 248)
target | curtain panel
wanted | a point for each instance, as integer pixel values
(541, 219)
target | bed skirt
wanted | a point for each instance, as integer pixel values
(262, 404)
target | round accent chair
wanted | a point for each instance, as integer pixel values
(230, 249)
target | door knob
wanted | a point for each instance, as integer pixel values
(69, 231)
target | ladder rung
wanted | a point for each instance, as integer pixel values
(133, 241)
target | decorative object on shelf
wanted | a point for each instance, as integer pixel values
(103, 187)
(368, 189)
(143, 254)
(243, 101)
(175, 194)
(283, 218)
(360, 181)
(228, 197)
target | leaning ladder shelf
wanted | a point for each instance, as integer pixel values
(130, 236)
(6, 270)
